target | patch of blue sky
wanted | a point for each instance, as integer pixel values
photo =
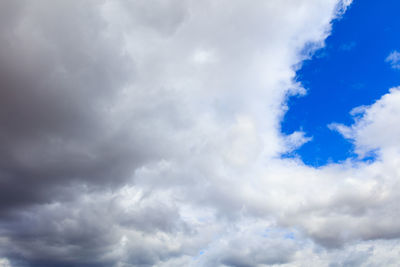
(198, 256)
(356, 67)
(289, 236)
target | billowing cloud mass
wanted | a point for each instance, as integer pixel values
(147, 133)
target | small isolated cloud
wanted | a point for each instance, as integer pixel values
(394, 59)
(296, 139)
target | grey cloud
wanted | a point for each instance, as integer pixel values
(267, 255)
(94, 230)
(255, 247)
(68, 128)
(357, 258)
(162, 17)
(61, 78)
(360, 207)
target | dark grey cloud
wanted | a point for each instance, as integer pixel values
(60, 77)
(88, 230)
(63, 76)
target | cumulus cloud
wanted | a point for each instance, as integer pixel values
(370, 130)
(146, 133)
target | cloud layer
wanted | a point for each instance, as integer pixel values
(147, 133)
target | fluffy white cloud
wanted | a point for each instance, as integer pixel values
(375, 129)
(146, 133)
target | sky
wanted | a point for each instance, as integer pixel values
(349, 71)
(207, 133)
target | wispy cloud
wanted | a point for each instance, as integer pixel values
(394, 59)
(348, 46)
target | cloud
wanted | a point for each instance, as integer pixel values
(4, 262)
(147, 134)
(61, 80)
(394, 59)
(359, 192)
(369, 132)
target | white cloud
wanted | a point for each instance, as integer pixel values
(376, 128)
(394, 59)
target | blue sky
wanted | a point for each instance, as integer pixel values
(348, 72)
